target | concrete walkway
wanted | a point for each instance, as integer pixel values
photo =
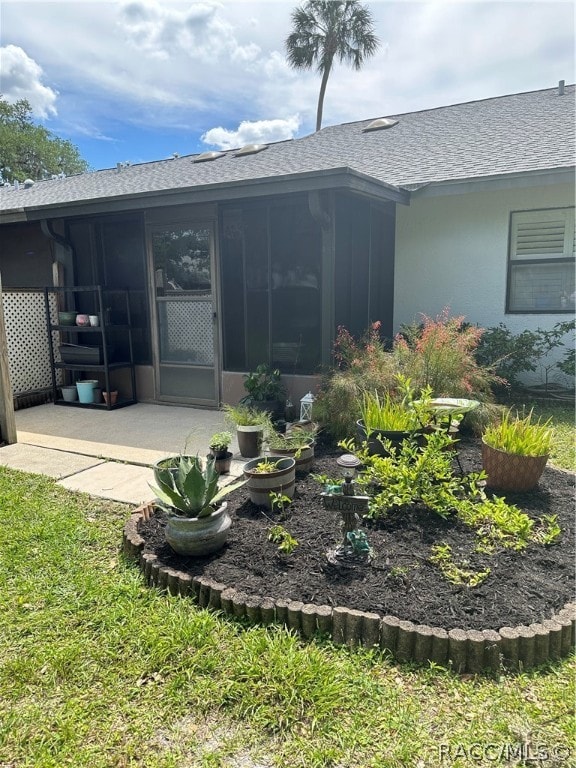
(110, 453)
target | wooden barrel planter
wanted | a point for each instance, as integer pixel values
(282, 479)
(304, 457)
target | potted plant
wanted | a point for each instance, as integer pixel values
(515, 451)
(196, 523)
(218, 446)
(265, 390)
(392, 419)
(272, 475)
(298, 444)
(249, 424)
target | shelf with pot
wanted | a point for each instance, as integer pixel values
(80, 342)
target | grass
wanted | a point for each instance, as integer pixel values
(563, 453)
(97, 670)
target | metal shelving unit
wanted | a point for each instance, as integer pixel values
(97, 337)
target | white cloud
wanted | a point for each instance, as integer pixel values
(257, 132)
(200, 31)
(21, 78)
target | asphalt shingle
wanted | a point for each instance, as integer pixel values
(519, 133)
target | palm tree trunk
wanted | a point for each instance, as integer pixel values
(323, 84)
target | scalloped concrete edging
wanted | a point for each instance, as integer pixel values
(472, 651)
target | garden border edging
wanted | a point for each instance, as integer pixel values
(471, 651)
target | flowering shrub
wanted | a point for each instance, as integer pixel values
(439, 354)
(362, 365)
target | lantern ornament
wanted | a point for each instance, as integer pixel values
(306, 407)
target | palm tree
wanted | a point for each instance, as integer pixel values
(325, 30)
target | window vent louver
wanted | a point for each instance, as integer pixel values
(543, 235)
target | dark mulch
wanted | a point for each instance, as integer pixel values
(522, 587)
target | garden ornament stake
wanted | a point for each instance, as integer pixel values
(354, 548)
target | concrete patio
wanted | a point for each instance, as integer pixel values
(110, 453)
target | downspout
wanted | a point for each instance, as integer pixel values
(63, 264)
(321, 206)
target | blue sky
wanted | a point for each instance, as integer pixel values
(140, 80)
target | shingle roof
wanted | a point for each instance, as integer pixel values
(519, 133)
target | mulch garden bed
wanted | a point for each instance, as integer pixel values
(522, 588)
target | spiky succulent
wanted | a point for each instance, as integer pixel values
(189, 490)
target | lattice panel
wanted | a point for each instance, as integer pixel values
(27, 339)
(187, 332)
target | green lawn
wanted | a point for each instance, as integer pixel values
(98, 670)
(563, 452)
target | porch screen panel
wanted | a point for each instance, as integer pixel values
(295, 298)
(232, 281)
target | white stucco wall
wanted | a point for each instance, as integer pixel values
(451, 251)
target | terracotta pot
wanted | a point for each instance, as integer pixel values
(110, 397)
(198, 537)
(511, 472)
(261, 484)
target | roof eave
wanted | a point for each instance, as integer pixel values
(488, 183)
(332, 178)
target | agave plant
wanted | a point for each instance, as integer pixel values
(188, 489)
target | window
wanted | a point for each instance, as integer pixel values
(541, 263)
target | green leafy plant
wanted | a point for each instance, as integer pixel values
(266, 466)
(279, 501)
(245, 416)
(549, 530)
(402, 413)
(329, 485)
(520, 435)
(295, 442)
(188, 489)
(264, 384)
(414, 474)
(441, 556)
(509, 354)
(220, 441)
(283, 538)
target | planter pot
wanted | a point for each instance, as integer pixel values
(66, 318)
(375, 447)
(511, 472)
(82, 320)
(261, 484)
(86, 390)
(70, 394)
(304, 460)
(198, 537)
(222, 461)
(249, 440)
(110, 398)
